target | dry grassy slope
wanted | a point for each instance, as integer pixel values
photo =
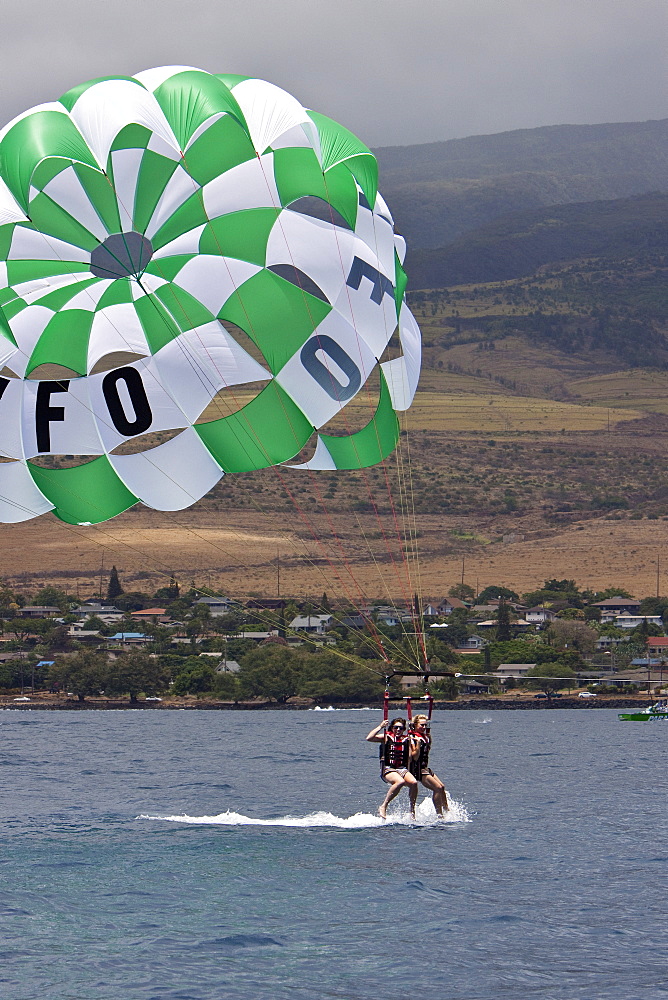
(238, 557)
(561, 449)
(469, 491)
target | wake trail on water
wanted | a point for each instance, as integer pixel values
(426, 817)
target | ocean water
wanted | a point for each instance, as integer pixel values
(211, 855)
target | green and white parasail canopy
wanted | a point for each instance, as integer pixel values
(137, 216)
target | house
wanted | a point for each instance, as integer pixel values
(608, 642)
(129, 639)
(539, 614)
(313, 624)
(516, 670)
(410, 682)
(450, 604)
(216, 605)
(474, 642)
(351, 621)
(76, 631)
(657, 645)
(258, 636)
(107, 612)
(626, 620)
(485, 609)
(39, 611)
(150, 615)
(616, 605)
(467, 686)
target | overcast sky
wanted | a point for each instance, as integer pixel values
(394, 71)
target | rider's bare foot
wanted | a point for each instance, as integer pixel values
(382, 812)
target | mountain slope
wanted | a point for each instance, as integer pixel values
(439, 191)
(520, 243)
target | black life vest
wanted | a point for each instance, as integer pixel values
(422, 760)
(394, 750)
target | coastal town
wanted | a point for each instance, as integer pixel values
(558, 645)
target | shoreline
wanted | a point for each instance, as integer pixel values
(478, 704)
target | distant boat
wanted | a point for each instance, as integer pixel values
(655, 713)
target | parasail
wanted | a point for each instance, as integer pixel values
(169, 239)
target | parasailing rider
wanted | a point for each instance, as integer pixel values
(396, 753)
(419, 764)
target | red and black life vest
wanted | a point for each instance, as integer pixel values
(422, 760)
(395, 750)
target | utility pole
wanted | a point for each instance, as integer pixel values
(278, 572)
(101, 572)
(658, 561)
(463, 564)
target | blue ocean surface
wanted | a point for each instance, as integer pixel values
(202, 855)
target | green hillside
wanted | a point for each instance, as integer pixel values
(439, 191)
(520, 243)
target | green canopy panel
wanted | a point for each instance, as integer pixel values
(136, 215)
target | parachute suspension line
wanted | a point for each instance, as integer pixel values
(315, 486)
(250, 428)
(405, 550)
(413, 640)
(77, 495)
(286, 414)
(342, 411)
(416, 547)
(382, 462)
(124, 339)
(386, 700)
(411, 535)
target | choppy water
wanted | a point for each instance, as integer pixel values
(211, 855)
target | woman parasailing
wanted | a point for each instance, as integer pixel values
(396, 752)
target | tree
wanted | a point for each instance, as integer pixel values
(198, 623)
(326, 676)
(503, 630)
(550, 677)
(572, 614)
(462, 592)
(444, 687)
(133, 600)
(578, 635)
(52, 597)
(132, 673)
(270, 672)
(231, 622)
(84, 673)
(493, 594)
(516, 651)
(604, 595)
(169, 593)
(555, 590)
(114, 588)
(195, 677)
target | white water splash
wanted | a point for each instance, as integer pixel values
(482, 722)
(426, 816)
(330, 708)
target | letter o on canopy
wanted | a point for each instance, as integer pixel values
(143, 417)
(325, 378)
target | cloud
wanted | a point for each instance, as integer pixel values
(394, 72)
